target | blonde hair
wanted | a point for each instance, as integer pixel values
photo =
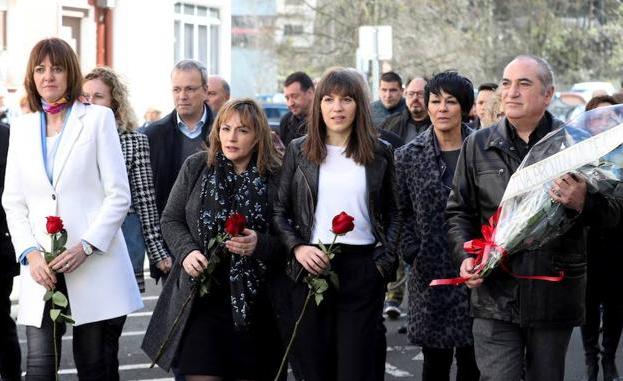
(251, 115)
(124, 114)
(493, 110)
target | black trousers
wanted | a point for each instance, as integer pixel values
(597, 297)
(95, 347)
(437, 363)
(10, 356)
(343, 339)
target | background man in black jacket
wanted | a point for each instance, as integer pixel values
(298, 90)
(413, 120)
(181, 133)
(10, 358)
(522, 322)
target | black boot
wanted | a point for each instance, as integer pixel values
(609, 369)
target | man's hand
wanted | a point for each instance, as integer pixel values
(313, 259)
(467, 272)
(195, 263)
(570, 191)
(69, 260)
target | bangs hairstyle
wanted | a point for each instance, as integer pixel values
(360, 145)
(60, 54)
(120, 105)
(251, 115)
(452, 83)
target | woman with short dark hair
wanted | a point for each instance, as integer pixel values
(340, 165)
(439, 319)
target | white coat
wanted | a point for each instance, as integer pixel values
(90, 192)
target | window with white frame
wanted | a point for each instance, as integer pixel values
(197, 34)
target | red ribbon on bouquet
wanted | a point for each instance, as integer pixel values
(481, 247)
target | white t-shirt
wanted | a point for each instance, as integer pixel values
(342, 188)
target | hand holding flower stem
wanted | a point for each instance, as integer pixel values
(318, 284)
(234, 225)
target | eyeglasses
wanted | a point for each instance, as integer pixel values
(190, 90)
(415, 94)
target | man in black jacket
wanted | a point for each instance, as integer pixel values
(181, 133)
(299, 93)
(521, 323)
(413, 120)
(10, 358)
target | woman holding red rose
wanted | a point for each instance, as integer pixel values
(229, 333)
(65, 160)
(340, 165)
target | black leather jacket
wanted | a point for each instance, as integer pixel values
(487, 161)
(294, 208)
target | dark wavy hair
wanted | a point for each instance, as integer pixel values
(60, 54)
(360, 146)
(454, 84)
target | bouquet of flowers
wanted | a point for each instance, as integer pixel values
(589, 147)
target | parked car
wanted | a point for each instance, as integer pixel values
(274, 113)
(587, 89)
(567, 105)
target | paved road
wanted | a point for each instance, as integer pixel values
(404, 361)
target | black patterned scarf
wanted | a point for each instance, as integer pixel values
(223, 192)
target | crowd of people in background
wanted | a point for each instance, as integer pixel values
(420, 170)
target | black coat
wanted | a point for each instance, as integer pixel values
(485, 166)
(179, 226)
(291, 127)
(438, 316)
(8, 264)
(298, 193)
(400, 124)
(165, 147)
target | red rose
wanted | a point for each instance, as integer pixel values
(342, 224)
(235, 224)
(54, 224)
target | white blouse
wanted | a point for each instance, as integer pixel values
(342, 187)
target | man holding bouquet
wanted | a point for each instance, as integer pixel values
(522, 323)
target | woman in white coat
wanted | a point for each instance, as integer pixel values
(65, 160)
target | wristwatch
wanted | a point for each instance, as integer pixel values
(87, 248)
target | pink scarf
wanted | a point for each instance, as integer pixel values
(56, 107)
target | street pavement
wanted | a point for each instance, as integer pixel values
(404, 361)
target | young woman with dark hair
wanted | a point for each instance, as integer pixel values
(340, 166)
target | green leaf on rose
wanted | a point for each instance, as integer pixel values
(318, 298)
(48, 295)
(319, 285)
(211, 243)
(54, 314)
(67, 319)
(59, 299)
(62, 240)
(333, 278)
(48, 257)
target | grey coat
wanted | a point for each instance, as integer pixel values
(179, 226)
